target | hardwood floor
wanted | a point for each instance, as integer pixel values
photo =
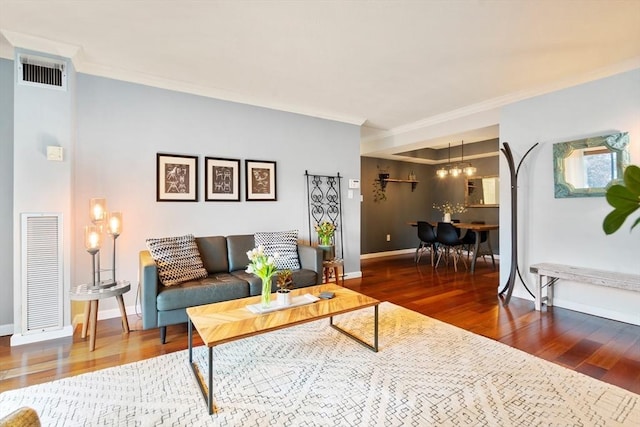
(601, 348)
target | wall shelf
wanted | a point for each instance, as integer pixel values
(384, 179)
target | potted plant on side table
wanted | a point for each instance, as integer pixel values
(285, 284)
(325, 232)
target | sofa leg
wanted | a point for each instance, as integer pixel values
(163, 334)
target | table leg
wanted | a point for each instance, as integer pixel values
(335, 273)
(190, 339)
(537, 297)
(85, 324)
(123, 313)
(476, 249)
(206, 390)
(373, 347)
(94, 324)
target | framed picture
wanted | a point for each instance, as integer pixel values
(176, 178)
(222, 179)
(260, 180)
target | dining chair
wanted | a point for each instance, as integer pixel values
(428, 240)
(449, 243)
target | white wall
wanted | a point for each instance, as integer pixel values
(569, 231)
(42, 117)
(6, 193)
(121, 127)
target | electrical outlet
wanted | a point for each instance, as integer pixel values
(388, 237)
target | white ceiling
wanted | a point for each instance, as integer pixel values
(413, 73)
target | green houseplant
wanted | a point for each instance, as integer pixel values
(285, 284)
(625, 199)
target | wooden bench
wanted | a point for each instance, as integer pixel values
(553, 272)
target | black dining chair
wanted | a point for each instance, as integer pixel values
(449, 243)
(428, 240)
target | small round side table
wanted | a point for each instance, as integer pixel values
(333, 264)
(86, 293)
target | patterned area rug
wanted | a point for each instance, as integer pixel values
(427, 373)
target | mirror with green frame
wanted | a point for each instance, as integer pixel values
(586, 167)
(482, 191)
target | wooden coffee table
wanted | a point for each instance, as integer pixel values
(228, 321)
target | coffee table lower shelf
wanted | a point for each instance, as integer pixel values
(206, 385)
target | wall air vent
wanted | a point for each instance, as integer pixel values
(42, 272)
(42, 72)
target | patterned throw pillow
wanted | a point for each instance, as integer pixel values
(177, 258)
(285, 243)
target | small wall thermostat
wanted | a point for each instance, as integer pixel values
(54, 153)
(354, 183)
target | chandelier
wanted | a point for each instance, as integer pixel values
(458, 168)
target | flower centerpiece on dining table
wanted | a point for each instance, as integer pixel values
(448, 208)
(263, 266)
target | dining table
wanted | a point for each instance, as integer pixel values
(478, 228)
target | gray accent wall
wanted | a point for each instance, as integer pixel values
(391, 216)
(121, 128)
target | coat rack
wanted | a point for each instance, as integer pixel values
(513, 173)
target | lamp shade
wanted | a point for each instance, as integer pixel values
(455, 171)
(442, 172)
(92, 238)
(114, 224)
(98, 210)
(469, 170)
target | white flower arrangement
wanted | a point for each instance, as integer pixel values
(449, 208)
(262, 265)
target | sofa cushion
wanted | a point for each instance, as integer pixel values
(214, 288)
(177, 258)
(284, 243)
(238, 246)
(301, 279)
(213, 251)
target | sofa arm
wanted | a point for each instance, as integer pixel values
(311, 259)
(149, 283)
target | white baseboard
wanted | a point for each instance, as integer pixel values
(19, 339)
(387, 253)
(633, 319)
(400, 252)
(353, 275)
(103, 314)
(6, 330)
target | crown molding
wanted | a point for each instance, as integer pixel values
(76, 54)
(209, 92)
(39, 44)
(498, 102)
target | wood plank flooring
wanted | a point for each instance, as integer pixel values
(601, 348)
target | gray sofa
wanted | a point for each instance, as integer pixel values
(225, 259)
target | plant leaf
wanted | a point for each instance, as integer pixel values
(621, 197)
(614, 221)
(632, 179)
(636, 223)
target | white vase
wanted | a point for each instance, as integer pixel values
(284, 298)
(447, 217)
